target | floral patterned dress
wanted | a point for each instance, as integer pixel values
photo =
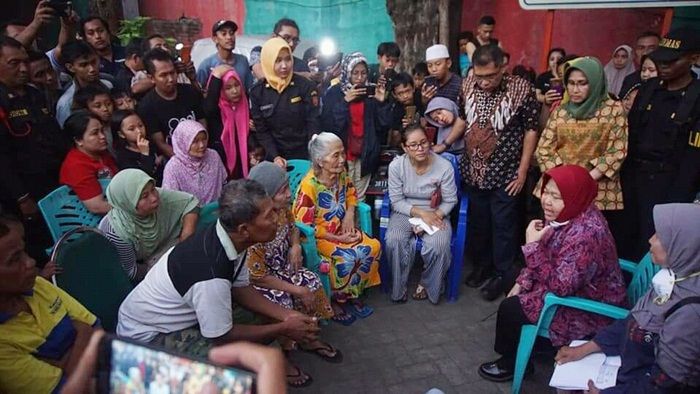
(576, 259)
(271, 258)
(354, 266)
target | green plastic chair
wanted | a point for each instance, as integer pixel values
(641, 279)
(63, 211)
(92, 273)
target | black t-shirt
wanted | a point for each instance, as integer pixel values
(162, 116)
(300, 66)
(147, 163)
(542, 81)
(123, 79)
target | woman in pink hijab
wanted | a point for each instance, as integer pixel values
(194, 168)
(228, 118)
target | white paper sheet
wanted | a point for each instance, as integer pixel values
(419, 222)
(596, 366)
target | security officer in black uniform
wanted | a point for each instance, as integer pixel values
(663, 162)
(32, 146)
(284, 109)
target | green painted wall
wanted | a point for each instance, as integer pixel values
(355, 25)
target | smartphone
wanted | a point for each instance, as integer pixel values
(389, 75)
(411, 112)
(431, 133)
(128, 366)
(431, 81)
(185, 54)
(63, 8)
(556, 85)
(371, 90)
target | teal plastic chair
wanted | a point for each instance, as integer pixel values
(208, 214)
(92, 273)
(296, 171)
(641, 279)
(63, 211)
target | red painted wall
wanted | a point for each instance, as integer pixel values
(207, 11)
(583, 32)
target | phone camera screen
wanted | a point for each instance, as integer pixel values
(137, 369)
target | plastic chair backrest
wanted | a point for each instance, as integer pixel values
(641, 280)
(208, 214)
(92, 273)
(455, 166)
(63, 211)
(296, 170)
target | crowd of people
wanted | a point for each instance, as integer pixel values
(601, 160)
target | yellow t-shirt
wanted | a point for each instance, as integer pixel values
(45, 333)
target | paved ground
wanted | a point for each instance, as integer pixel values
(416, 346)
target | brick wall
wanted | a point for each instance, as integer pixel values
(185, 30)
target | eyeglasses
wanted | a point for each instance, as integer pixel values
(489, 77)
(414, 147)
(290, 39)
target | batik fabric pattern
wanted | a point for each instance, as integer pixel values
(271, 258)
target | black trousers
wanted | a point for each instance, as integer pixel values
(495, 224)
(509, 320)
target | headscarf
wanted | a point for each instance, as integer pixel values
(203, 177)
(578, 189)
(271, 176)
(236, 121)
(443, 131)
(147, 234)
(270, 50)
(677, 229)
(346, 65)
(614, 76)
(597, 91)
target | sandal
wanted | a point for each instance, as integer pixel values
(342, 317)
(420, 293)
(358, 309)
(305, 381)
(321, 351)
(401, 300)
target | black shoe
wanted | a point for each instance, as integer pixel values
(477, 277)
(495, 371)
(493, 288)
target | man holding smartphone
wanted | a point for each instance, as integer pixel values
(194, 296)
(441, 82)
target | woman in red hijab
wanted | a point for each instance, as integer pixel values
(569, 253)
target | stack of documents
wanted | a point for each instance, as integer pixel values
(597, 367)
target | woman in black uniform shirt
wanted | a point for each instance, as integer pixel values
(284, 106)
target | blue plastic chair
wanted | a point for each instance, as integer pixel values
(457, 244)
(63, 211)
(208, 214)
(92, 273)
(641, 279)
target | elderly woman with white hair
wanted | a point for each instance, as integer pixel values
(326, 200)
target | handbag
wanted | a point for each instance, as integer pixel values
(436, 197)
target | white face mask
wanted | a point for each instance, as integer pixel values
(663, 285)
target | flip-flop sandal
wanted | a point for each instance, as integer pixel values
(344, 318)
(300, 374)
(358, 309)
(420, 294)
(336, 358)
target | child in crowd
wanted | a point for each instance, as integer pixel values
(441, 82)
(256, 152)
(133, 148)
(405, 106)
(131, 77)
(465, 62)
(419, 72)
(97, 99)
(123, 100)
(388, 54)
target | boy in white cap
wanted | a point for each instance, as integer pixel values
(441, 82)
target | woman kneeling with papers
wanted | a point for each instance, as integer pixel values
(659, 342)
(570, 253)
(421, 186)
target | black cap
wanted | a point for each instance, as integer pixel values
(223, 23)
(676, 43)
